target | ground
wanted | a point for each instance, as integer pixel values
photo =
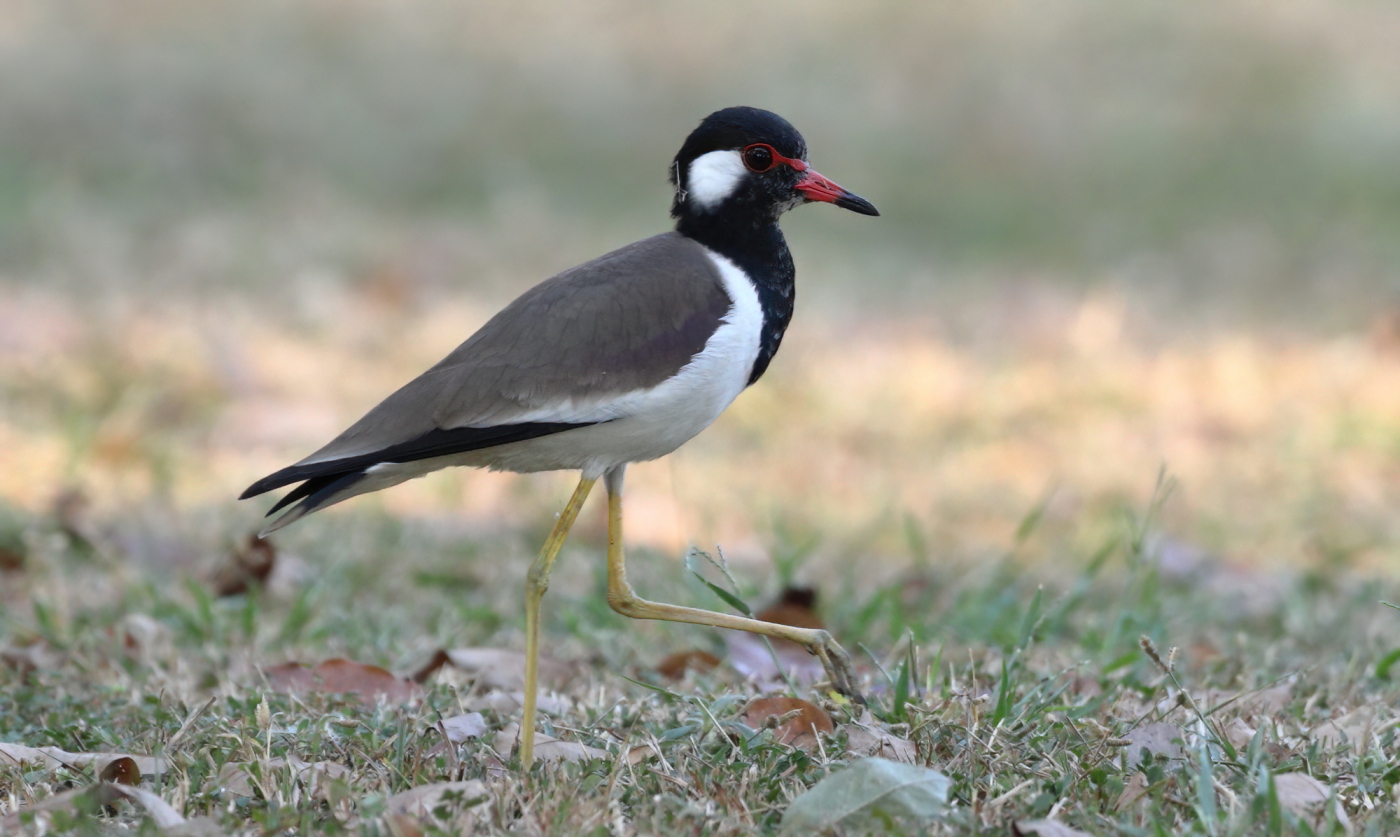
(1129, 588)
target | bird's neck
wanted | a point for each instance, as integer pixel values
(757, 247)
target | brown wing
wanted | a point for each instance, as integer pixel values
(622, 322)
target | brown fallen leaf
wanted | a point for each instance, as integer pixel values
(1268, 702)
(428, 669)
(1157, 740)
(246, 565)
(144, 635)
(1353, 729)
(234, 779)
(424, 801)
(498, 668)
(749, 654)
(509, 702)
(796, 606)
(402, 825)
(547, 748)
(341, 676)
(1134, 792)
(865, 738)
(1306, 798)
(35, 656)
(53, 757)
(11, 559)
(461, 727)
(121, 771)
(794, 721)
(70, 507)
(675, 666)
(101, 794)
(1238, 733)
(238, 779)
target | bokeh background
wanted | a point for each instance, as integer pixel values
(1118, 240)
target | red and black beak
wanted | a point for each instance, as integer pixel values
(818, 188)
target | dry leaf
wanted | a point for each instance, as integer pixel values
(749, 654)
(1238, 733)
(1305, 797)
(122, 771)
(793, 720)
(1046, 828)
(236, 779)
(497, 668)
(70, 507)
(402, 825)
(1269, 702)
(796, 606)
(428, 669)
(1134, 792)
(865, 738)
(640, 753)
(461, 727)
(341, 676)
(11, 560)
(36, 656)
(1353, 728)
(53, 757)
(553, 750)
(506, 703)
(1158, 740)
(247, 565)
(449, 807)
(547, 748)
(104, 793)
(143, 635)
(676, 665)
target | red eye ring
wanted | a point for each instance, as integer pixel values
(760, 157)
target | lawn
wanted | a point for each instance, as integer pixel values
(1089, 446)
(1078, 574)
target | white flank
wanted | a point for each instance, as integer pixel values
(714, 177)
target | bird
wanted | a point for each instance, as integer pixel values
(621, 359)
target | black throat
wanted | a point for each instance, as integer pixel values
(753, 242)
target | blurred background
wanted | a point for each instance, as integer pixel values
(1118, 240)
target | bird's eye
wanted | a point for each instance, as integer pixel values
(760, 157)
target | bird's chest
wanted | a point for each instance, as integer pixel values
(689, 401)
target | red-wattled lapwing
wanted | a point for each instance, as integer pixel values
(622, 359)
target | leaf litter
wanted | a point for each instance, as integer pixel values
(794, 721)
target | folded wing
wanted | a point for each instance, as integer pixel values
(558, 358)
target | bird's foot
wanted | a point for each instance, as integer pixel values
(838, 667)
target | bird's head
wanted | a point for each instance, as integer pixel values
(750, 158)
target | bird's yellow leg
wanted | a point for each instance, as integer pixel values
(535, 584)
(624, 600)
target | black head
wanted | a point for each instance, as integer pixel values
(750, 160)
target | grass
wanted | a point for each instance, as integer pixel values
(1023, 687)
(993, 552)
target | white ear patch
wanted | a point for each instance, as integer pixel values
(714, 177)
